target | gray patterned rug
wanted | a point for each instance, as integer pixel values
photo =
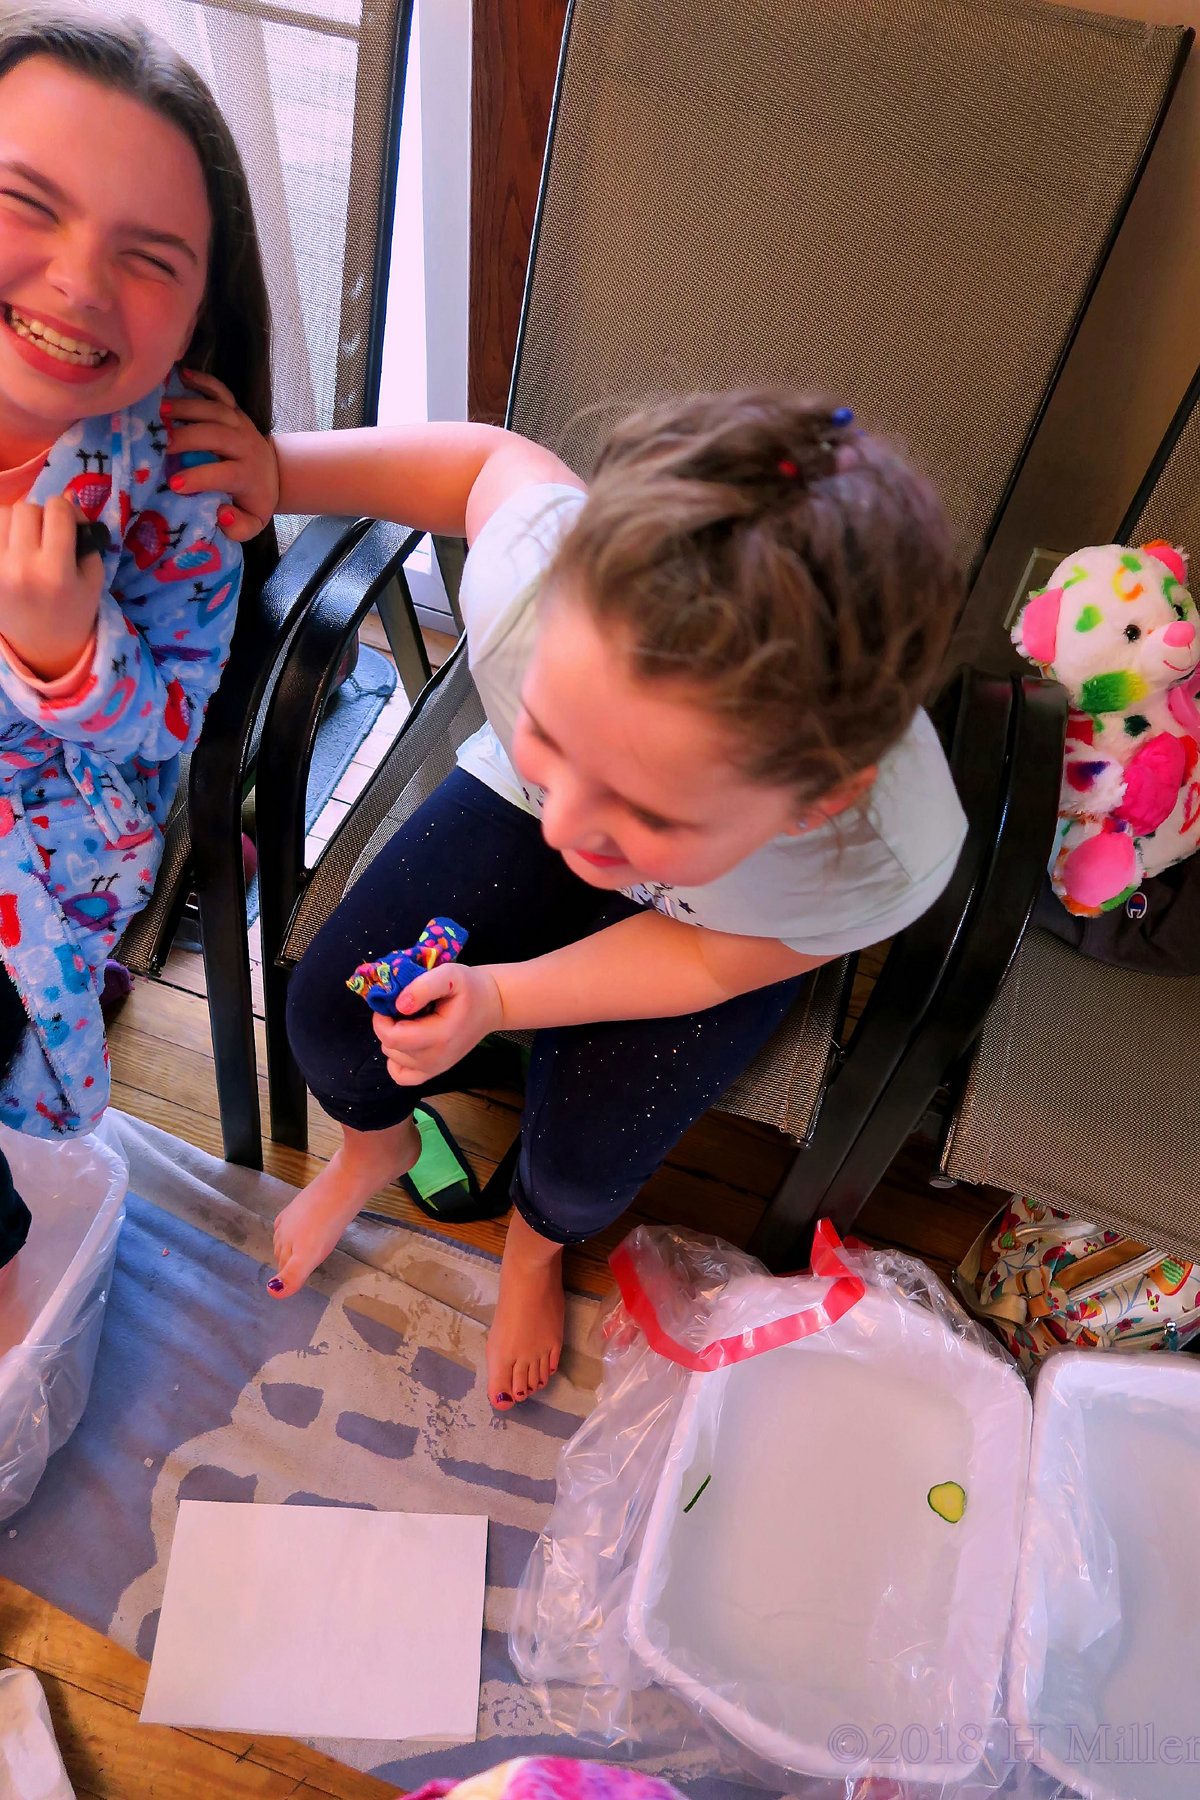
(366, 1389)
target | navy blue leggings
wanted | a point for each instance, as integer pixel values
(604, 1104)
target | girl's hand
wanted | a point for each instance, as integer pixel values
(48, 602)
(467, 1008)
(213, 421)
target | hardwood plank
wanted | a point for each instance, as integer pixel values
(317, 1773)
(40, 1636)
(176, 1016)
(741, 1153)
(866, 974)
(514, 58)
(185, 969)
(674, 1197)
(438, 646)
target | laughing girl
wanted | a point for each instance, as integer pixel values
(127, 247)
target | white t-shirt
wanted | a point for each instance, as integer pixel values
(851, 882)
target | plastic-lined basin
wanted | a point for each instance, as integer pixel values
(812, 1597)
(1106, 1641)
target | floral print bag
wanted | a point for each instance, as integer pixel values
(1045, 1281)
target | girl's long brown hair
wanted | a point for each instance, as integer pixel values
(232, 339)
(792, 571)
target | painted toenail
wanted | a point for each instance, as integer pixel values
(275, 1285)
(504, 1399)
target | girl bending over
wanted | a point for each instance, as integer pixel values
(704, 773)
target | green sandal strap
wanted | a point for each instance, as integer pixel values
(441, 1166)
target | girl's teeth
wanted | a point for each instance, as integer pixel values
(53, 343)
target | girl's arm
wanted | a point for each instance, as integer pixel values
(648, 967)
(448, 478)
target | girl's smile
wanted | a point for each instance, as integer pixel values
(103, 257)
(601, 862)
(46, 344)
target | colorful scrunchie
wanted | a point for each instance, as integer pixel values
(381, 983)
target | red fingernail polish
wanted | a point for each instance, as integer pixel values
(175, 483)
(165, 408)
(225, 515)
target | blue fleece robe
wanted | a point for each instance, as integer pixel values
(86, 781)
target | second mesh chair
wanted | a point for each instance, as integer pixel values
(1083, 1089)
(917, 230)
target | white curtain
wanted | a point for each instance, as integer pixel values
(285, 80)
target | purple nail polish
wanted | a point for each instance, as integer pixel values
(275, 1285)
(505, 1398)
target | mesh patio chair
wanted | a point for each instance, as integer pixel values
(918, 233)
(1082, 1091)
(313, 96)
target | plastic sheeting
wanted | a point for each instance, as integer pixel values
(791, 1523)
(1105, 1656)
(52, 1298)
(30, 1765)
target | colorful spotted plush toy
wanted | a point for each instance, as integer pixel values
(1118, 628)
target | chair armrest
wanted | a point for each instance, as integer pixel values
(294, 709)
(267, 614)
(274, 600)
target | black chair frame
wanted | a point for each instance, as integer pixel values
(291, 722)
(941, 976)
(221, 765)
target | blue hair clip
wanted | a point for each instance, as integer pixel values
(842, 416)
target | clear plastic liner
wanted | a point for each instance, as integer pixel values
(789, 1529)
(30, 1765)
(1104, 1680)
(52, 1298)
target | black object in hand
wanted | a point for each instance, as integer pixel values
(91, 534)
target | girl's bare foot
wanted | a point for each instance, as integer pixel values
(525, 1340)
(308, 1228)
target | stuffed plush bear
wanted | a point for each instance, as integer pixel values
(1118, 628)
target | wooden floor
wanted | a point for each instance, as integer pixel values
(718, 1180)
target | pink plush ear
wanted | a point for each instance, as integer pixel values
(1170, 558)
(1037, 628)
